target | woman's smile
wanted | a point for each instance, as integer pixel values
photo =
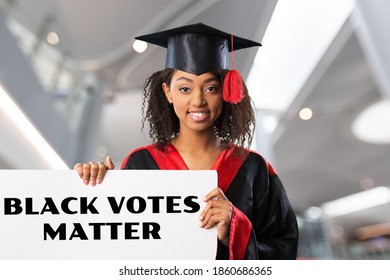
(199, 115)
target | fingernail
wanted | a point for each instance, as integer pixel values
(98, 181)
(86, 182)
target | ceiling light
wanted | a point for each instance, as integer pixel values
(140, 46)
(337, 231)
(313, 213)
(19, 119)
(101, 151)
(367, 183)
(373, 124)
(52, 38)
(357, 202)
(371, 231)
(306, 114)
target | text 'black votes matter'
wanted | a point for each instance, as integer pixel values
(93, 231)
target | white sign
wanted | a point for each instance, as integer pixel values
(133, 214)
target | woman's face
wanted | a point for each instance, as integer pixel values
(197, 100)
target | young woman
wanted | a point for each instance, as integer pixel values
(201, 117)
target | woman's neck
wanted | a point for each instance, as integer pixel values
(196, 142)
(198, 150)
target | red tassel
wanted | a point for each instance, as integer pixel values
(233, 90)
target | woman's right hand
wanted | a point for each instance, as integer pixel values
(92, 173)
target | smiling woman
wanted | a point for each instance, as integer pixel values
(197, 101)
(198, 120)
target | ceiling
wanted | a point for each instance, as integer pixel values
(318, 160)
(98, 35)
(321, 157)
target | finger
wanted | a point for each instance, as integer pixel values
(206, 217)
(93, 173)
(109, 163)
(210, 204)
(212, 194)
(214, 204)
(86, 173)
(79, 168)
(216, 193)
(209, 216)
(101, 172)
(218, 218)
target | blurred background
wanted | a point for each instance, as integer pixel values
(71, 79)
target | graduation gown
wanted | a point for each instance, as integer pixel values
(263, 224)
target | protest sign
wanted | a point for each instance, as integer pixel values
(133, 214)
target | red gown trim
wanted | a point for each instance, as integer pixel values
(240, 231)
(167, 159)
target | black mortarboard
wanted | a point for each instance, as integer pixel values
(199, 48)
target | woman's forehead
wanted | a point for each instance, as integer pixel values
(189, 76)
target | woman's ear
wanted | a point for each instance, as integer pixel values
(165, 88)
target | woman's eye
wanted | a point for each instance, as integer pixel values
(184, 89)
(212, 89)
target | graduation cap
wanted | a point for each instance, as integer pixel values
(199, 48)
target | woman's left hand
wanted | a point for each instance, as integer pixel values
(218, 211)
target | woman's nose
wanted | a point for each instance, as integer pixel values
(197, 98)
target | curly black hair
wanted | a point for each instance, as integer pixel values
(235, 125)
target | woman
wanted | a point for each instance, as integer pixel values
(201, 117)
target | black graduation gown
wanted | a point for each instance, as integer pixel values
(263, 224)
